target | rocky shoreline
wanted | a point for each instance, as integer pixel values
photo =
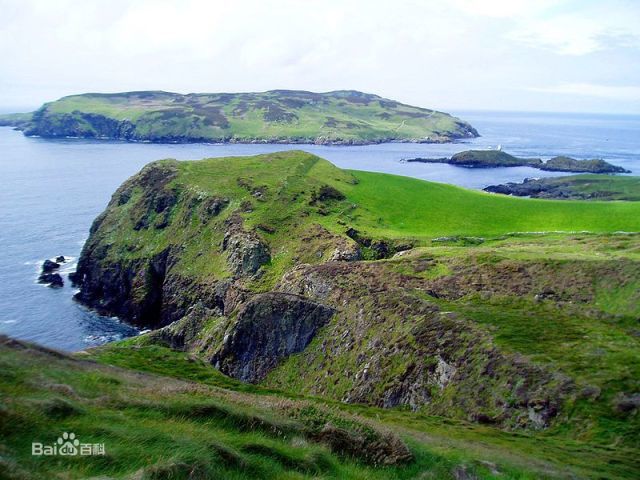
(575, 187)
(247, 141)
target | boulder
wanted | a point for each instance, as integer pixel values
(52, 279)
(48, 266)
(246, 252)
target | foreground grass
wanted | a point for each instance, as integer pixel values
(160, 427)
(515, 455)
(163, 427)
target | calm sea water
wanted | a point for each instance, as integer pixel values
(52, 190)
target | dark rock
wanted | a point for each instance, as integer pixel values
(269, 327)
(211, 207)
(61, 259)
(48, 266)
(326, 193)
(626, 403)
(52, 279)
(590, 392)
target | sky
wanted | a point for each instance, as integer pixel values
(527, 55)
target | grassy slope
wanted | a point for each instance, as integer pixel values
(333, 116)
(394, 206)
(183, 426)
(405, 206)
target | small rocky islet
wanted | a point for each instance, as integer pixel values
(499, 158)
(49, 275)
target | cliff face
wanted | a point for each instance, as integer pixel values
(263, 277)
(285, 116)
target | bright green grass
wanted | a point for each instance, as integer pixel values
(395, 206)
(400, 206)
(379, 205)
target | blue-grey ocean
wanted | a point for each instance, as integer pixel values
(51, 190)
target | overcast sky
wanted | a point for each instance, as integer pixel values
(544, 55)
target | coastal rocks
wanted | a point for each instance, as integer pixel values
(269, 327)
(48, 273)
(246, 252)
(442, 363)
(53, 280)
(49, 266)
(131, 290)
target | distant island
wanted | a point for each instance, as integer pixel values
(498, 158)
(574, 187)
(279, 116)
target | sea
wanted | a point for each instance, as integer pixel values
(51, 190)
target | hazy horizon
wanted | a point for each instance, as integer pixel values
(545, 56)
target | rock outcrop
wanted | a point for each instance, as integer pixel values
(269, 327)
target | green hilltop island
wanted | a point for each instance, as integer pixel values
(279, 116)
(305, 321)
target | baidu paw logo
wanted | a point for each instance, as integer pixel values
(68, 444)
